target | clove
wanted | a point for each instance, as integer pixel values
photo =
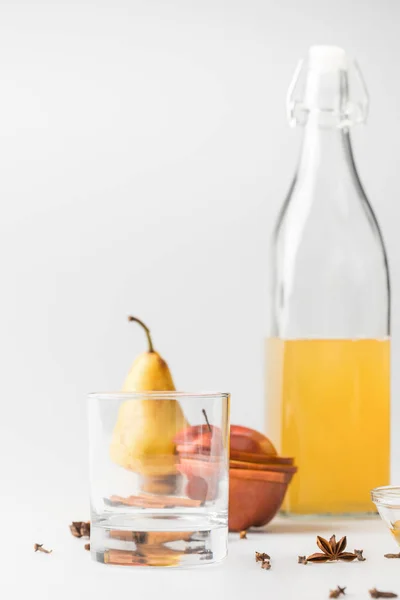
(359, 554)
(262, 556)
(39, 548)
(302, 560)
(374, 593)
(80, 528)
(338, 592)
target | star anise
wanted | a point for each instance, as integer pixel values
(331, 550)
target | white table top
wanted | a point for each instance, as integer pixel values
(69, 573)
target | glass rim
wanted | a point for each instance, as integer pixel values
(163, 395)
(385, 492)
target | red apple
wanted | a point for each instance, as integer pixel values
(199, 439)
(202, 477)
(244, 439)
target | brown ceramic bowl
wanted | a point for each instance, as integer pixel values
(258, 477)
(255, 496)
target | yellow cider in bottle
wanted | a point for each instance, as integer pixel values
(334, 399)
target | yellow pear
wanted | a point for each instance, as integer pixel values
(143, 437)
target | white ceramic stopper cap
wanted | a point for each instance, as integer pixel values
(325, 59)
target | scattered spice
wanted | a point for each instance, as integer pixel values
(262, 556)
(374, 593)
(39, 548)
(243, 535)
(87, 546)
(392, 555)
(302, 560)
(206, 418)
(80, 528)
(338, 592)
(331, 550)
(359, 554)
(264, 559)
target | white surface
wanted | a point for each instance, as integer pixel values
(70, 573)
(144, 156)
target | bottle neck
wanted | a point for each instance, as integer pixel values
(326, 154)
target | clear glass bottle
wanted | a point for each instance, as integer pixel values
(328, 366)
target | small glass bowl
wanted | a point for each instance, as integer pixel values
(387, 501)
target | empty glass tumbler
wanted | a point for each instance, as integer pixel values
(159, 473)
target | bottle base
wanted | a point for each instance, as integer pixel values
(323, 515)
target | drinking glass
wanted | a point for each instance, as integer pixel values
(387, 501)
(159, 473)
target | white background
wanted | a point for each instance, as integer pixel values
(144, 156)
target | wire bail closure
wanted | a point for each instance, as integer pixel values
(353, 108)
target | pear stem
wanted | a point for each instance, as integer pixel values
(206, 418)
(147, 330)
